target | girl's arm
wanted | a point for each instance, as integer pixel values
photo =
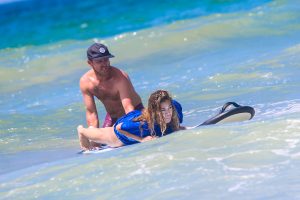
(137, 138)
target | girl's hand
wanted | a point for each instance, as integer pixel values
(148, 138)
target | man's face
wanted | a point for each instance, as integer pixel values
(101, 66)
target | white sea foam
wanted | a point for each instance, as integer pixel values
(237, 186)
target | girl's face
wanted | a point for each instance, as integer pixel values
(166, 110)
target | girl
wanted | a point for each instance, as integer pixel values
(163, 116)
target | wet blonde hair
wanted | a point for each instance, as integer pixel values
(153, 113)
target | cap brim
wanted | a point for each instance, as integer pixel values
(99, 58)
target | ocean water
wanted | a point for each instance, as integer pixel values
(205, 53)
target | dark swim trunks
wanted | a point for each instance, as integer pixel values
(109, 122)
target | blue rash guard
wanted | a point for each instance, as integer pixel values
(139, 128)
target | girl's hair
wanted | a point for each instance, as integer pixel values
(153, 113)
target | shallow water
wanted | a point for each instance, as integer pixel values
(210, 53)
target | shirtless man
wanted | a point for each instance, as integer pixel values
(110, 85)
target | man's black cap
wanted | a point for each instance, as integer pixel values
(98, 51)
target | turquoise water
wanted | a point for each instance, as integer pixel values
(56, 20)
(205, 53)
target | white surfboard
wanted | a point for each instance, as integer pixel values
(230, 112)
(98, 150)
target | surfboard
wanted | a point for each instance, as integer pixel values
(102, 149)
(230, 112)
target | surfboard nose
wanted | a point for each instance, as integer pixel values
(231, 112)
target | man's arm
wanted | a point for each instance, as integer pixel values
(90, 105)
(126, 90)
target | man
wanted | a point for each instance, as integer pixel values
(110, 85)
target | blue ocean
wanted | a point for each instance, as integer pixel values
(206, 53)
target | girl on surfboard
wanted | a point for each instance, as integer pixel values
(163, 116)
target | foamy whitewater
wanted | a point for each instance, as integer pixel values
(205, 54)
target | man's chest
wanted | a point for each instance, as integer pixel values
(106, 91)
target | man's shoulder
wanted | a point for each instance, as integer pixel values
(86, 80)
(119, 72)
(87, 76)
